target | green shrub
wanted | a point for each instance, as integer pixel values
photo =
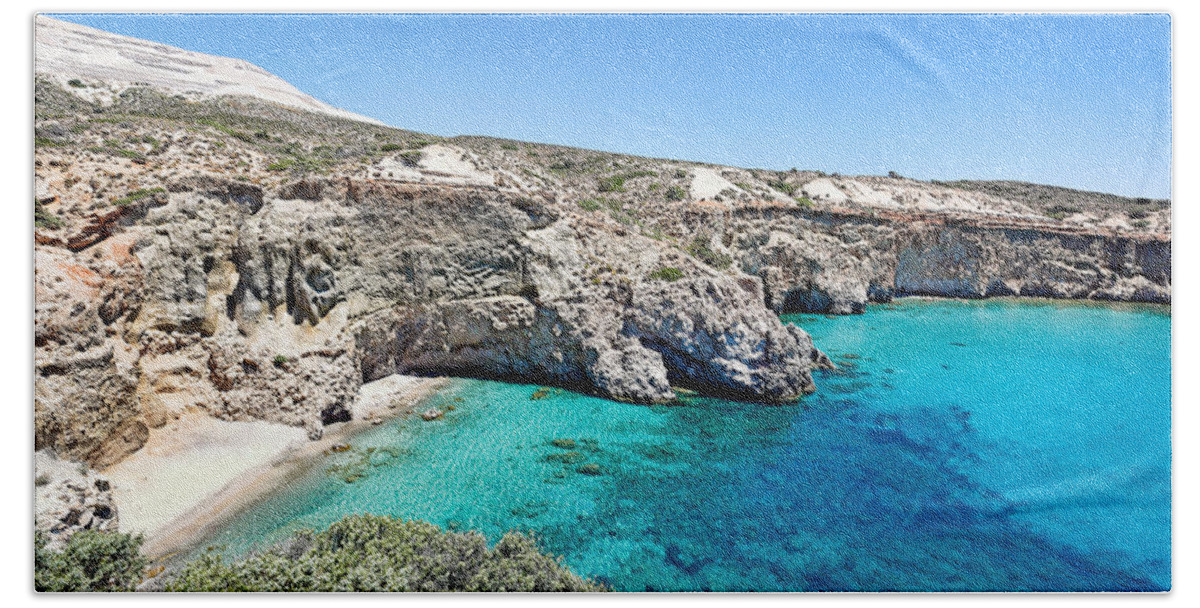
(563, 166)
(391, 147)
(242, 135)
(382, 553)
(615, 183)
(637, 174)
(805, 202)
(1141, 224)
(90, 561)
(782, 186)
(43, 218)
(508, 146)
(1059, 212)
(668, 273)
(589, 204)
(132, 155)
(411, 158)
(137, 195)
(76, 83)
(700, 249)
(675, 193)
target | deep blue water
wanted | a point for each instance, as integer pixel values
(985, 446)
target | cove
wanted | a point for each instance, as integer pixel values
(994, 445)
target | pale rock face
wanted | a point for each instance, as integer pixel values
(277, 306)
(85, 388)
(716, 335)
(809, 271)
(824, 190)
(811, 263)
(69, 497)
(278, 301)
(435, 164)
(109, 62)
(707, 183)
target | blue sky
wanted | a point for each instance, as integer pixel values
(1082, 101)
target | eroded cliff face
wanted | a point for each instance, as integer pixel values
(278, 305)
(256, 262)
(838, 262)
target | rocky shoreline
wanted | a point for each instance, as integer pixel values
(252, 260)
(837, 260)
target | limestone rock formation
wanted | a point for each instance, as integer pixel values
(257, 261)
(70, 497)
(837, 264)
(84, 393)
(277, 305)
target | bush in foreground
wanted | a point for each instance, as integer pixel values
(90, 561)
(380, 553)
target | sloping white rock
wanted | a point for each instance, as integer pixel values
(66, 51)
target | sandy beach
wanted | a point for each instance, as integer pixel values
(197, 471)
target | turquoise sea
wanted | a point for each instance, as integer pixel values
(986, 446)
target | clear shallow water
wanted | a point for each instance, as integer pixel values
(962, 446)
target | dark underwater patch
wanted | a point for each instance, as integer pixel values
(849, 500)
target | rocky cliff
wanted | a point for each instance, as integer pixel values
(837, 260)
(253, 260)
(278, 301)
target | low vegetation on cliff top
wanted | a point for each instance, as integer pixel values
(358, 553)
(143, 137)
(1058, 202)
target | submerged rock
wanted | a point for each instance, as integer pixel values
(571, 457)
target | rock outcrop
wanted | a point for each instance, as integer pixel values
(68, 51)
(84, 393)
(277, 305)
(836, 263)
(70, 497)
(256, 261)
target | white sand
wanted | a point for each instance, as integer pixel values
(197, 472)
(188, 460)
